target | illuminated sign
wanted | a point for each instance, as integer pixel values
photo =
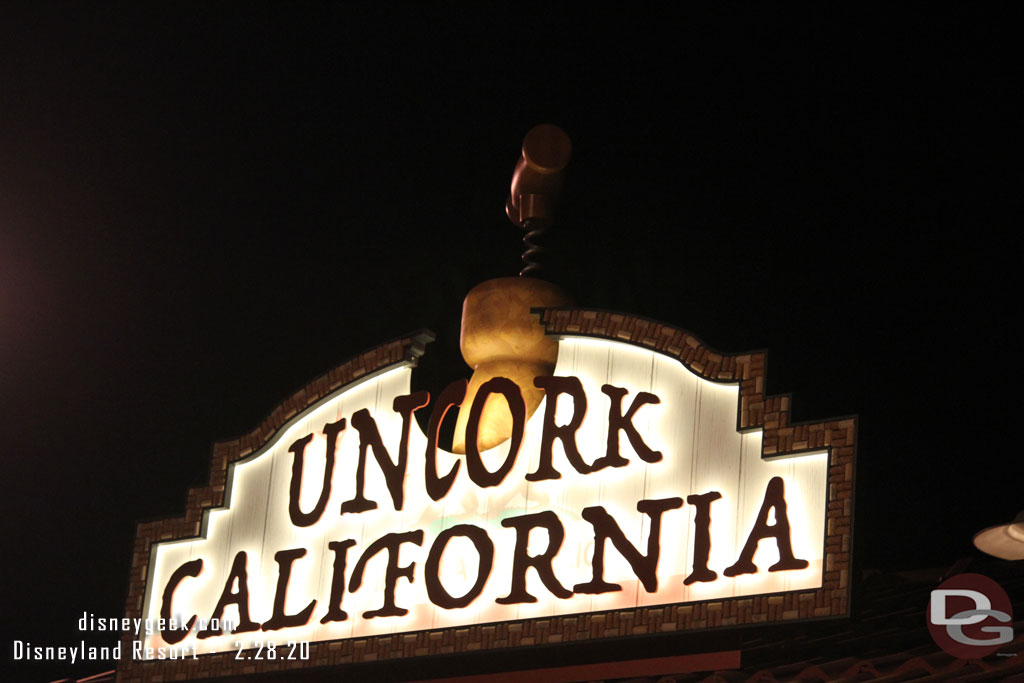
(651, 475)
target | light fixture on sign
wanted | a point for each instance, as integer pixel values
(1005, 541)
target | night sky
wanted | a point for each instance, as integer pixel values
(202, 208)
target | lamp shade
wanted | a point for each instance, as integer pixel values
(1005, 541)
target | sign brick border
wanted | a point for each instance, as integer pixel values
(756, 411)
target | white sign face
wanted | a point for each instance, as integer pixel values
(666, 502)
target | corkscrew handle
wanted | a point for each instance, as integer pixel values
(536, 185)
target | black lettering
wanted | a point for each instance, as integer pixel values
(172, 636)
(298, 517)
(774, 497)
(618, 422)
(279, 619)
(702, 537)
(644, 566)
(394, 473)
(517, 406)
(334, 611)
(451, 397)
(485, 551)
(229, 596)
(521, 560)
(391, 543)
(553, 387)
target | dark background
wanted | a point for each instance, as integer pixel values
(204, 207)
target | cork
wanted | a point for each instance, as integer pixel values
(501, 338)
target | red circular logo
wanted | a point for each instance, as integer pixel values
(970, 616)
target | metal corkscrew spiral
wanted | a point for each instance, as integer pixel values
(536, 184)
(531, 255)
